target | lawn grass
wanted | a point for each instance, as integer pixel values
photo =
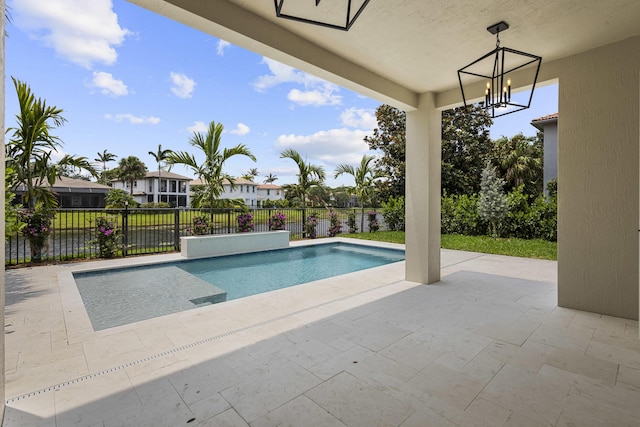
(537, 248)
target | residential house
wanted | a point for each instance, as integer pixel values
(243, 189)
(548, 125)
(75, 193)
(172, 189)
(269, 192)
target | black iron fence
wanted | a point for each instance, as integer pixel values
(149, 231)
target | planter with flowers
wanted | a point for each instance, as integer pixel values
(277, 221)
(107, 237)
(36, 229)
(372, 218)
(245, 223)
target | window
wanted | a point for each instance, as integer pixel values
(254, 189)
(241, 188)
(268, 192)
(163, 186)
(174, 186)
(183, 187)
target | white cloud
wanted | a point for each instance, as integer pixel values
(317, 92)
(198, 127)
(332, 147)
(182, 85)
(241, 129)
(315, 98)
(222, 46)
(81, 31)
(359, 118)
(134, 120)
(108, 85)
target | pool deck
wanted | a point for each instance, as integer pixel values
(485, 346)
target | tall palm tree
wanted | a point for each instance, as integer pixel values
(518, 159)
(309, 175)
(210, 171)
(364, 176)
(269, 179)
(30, 148)
(160, 156)
(130, 169)
(104, 158)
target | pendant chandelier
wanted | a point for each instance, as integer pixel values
(496, 68)
(347, 8)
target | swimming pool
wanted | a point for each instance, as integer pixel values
(120, 296)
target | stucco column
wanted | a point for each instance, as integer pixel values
(2, 168)
(598, 176)
(424, 133)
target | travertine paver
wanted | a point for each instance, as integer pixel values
(487, 346)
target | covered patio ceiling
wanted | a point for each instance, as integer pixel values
(397, 50)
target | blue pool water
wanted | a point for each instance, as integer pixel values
(120, 296)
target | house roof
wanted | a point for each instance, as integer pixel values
(72, 185)
(167, 175)
(541, 121)
(238, 181)
(268, 187)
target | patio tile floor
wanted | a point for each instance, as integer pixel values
(485, 346)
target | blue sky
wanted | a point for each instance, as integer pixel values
(128, 80)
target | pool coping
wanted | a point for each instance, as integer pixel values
(77, 317)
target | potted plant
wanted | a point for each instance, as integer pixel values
(36, 229)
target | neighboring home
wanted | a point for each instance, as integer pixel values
(174, 188)
(269, 192)
(251, 193)
(548, 125)
(75, 193)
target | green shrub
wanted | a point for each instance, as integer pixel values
(118, 199)
(393, 213)
(154, 205)
(460, 215)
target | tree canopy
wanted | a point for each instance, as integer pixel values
(211, 170)
(31, 146)
(390, 138)
(131, 169)
(309, 175)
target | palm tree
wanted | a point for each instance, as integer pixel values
(131, 169)
(309, 175)
(519, 161)
(251, 174)
(364, 176)
(104, 158)
(160, 156)
(210, 171)
(29, 150)
(269, 179)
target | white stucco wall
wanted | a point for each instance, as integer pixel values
(422, 192)
(598, 180)
(2, 125)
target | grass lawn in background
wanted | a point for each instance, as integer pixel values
(536, 248)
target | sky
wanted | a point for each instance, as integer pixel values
(128, 80)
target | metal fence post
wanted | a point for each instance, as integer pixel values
(125, 229)
(176, 230)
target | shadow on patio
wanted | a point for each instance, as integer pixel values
(483, 347)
